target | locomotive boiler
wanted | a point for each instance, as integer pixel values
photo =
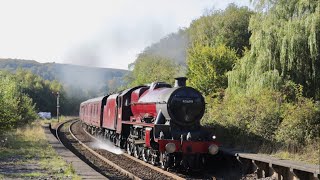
(157, 123)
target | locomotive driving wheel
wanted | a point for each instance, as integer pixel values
(154, 158)
(145, 154)
(166, 160)
(136, 151)
(129, 148)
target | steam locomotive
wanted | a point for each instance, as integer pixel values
(159, 124)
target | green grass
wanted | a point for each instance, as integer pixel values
(309, 154)
(55, 121)
(28, 145)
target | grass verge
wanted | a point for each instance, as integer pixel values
(26, 153)
(235, 138)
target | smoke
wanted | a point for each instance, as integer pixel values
(118, 44)
(107, 145)
(174, 46)
(114, 37)
(85, 55)
(85, 82)
(129, 27)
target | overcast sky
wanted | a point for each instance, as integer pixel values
(101, 33)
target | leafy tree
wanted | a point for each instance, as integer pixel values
(208, 67)
(42, 92)
(8, 103)
(149, 68)
(284, 46)
(229, 27)
(16, 108)
(216, 39)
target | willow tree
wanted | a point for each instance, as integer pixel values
(284, 46)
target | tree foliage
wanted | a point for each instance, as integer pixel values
(216, 39)
(149, 68)
(42, 92)
(300, 123)
(229, 27)
(257, 114)
(15, 107)
(207, 67)
(284, 46)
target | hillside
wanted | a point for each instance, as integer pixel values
(93, 79)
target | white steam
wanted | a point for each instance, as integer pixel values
(107, 145)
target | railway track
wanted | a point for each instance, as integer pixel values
(124, 166)
(172, 175)
(223, 172)
(64, 136)
(111, 165)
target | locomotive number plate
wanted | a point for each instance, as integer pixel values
(187, 101)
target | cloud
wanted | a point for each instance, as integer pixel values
(101, 33)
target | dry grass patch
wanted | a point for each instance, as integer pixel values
(27, 151)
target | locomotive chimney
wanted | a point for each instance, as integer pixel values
(180, 81)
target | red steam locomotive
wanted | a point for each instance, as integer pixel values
(156, 123)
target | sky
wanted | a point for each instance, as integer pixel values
(99, 33)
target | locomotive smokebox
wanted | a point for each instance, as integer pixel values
(180, 82)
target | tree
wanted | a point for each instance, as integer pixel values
(149, 68)
(284, 46)
(229, 27)
(208, 67)
(216, 40)
(41, 91)
(16, 108)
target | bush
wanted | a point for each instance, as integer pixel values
(8, 103)
(300, 124)
(16, 108)
(267, 117)
(257, 114)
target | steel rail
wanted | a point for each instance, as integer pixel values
(59, 125)
(123, 171)
(144, 163)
